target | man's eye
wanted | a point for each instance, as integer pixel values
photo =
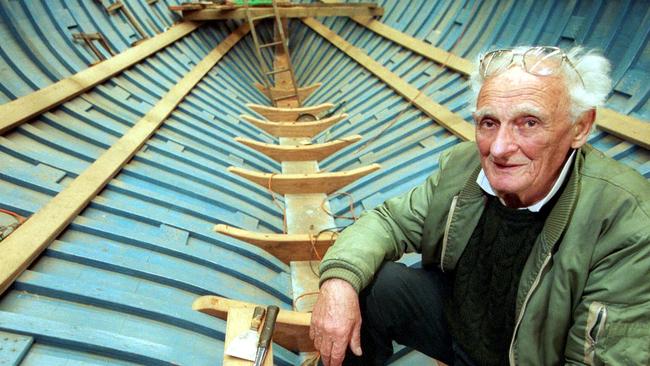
(487, 123)
(530, 122)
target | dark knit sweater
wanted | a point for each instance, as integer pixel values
(481, 312)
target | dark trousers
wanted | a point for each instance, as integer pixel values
(405, 305)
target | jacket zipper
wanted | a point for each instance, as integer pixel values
(446, 235)
(511, 352)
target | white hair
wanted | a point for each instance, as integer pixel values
(593, 68)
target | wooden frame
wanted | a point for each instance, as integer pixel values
(306, 152)
(26, 107)
(285, 247)
(295, 129)
(213, 12)
(303, 92)
(288, 114)
(31, 238)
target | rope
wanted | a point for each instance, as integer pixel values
(277, 203)
(352, 216)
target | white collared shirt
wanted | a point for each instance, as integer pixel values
(484, 183)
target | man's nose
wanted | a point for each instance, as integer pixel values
(504, 144)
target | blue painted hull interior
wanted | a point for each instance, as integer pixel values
(116, 287)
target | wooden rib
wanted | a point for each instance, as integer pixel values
(239, 321)
(305, 183)
(307, 152)
(295, 129)
(21, 247)
(441, 114)
(291, 328)
(24, 108)
(288, 114)
(291, 11)
(285, 247)
(303, 92)
(626, 127)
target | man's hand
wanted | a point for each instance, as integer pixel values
(336, 322)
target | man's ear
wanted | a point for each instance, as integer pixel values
(582, 127)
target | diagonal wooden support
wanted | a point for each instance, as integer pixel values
(24, 108)
(31, 238)
(301, 152)
(291, 327)
(285, 247)
(303, 92)
(295, 129)
(305, 183)
(288, 114)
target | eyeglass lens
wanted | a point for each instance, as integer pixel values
(543, 61)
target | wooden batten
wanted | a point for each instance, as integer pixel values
(305, 183)
(305, 152)
(295, 129)
(303, 92)
(291, 327)
(285, 247)
(214, 12)
(288, 114)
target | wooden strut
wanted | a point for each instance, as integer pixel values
(285, 11)
(295, 129)
(303, 92)
(304, 152)
(305, 183)
(291, 328)
(285, 247)
(288, 114)
(25, 244)
(24, 108)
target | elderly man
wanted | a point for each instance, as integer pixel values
(535, 246)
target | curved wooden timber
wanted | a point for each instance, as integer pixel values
(295, 129)
(291, 327)
(288, 114)
(305, 183)
(303, 92)
(285, 247)
(304, 152)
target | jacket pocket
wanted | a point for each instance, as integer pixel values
(618, 334)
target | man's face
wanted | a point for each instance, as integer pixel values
(523, 133)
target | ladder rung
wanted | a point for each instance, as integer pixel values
(287, 96)
(270, 44)
(278, 71)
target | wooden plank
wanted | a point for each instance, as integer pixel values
(628, 128)
(302, 152)
(24, 108)
(446, 118)
(285, 247)
(239, 321)
(287, 11)
(31, 238)
(288, 114)
(279, 92)
(305, 183)
(291, 327)
(295, 129)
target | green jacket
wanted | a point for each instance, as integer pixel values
(584, 294)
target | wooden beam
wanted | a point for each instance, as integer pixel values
(220, 12)
(443, 116)
(285, 247)
(23, 246)
(291, 328)
(623, 126)
(288, 114)
(24, 108)
(239, 321)
(303, 92)
(628, 128)
(295, 129)
(305, 183)
(305, 152)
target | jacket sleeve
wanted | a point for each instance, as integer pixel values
(612, 321)
(382, 234)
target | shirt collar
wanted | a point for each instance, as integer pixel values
(484, 183)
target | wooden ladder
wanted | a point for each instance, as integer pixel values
(282, 41)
